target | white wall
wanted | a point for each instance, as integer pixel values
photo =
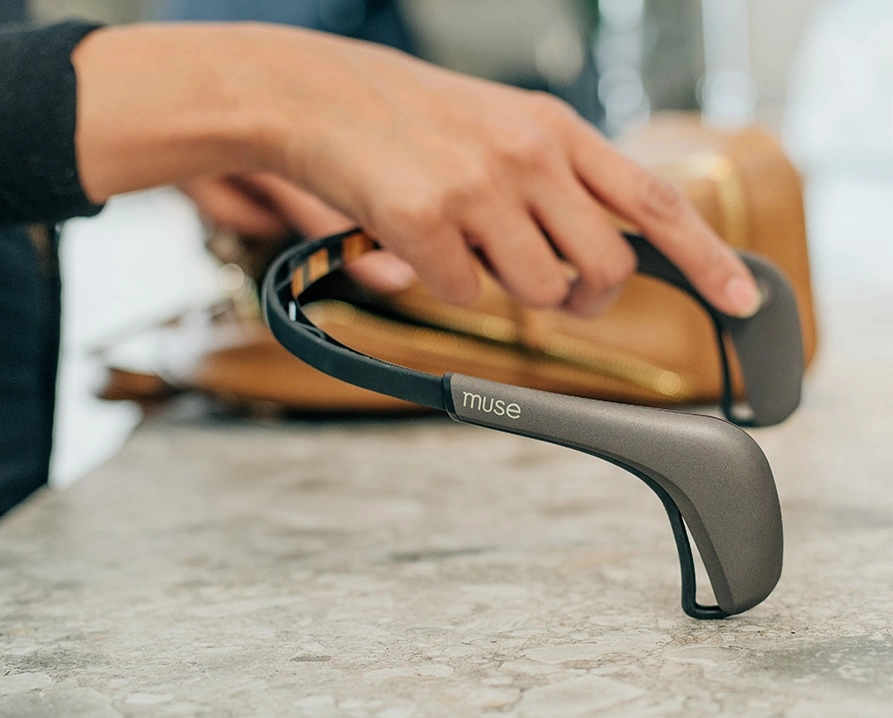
(776, 28)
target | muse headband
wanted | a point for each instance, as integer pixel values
(706, 472)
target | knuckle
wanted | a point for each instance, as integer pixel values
(477, 181)
(531, 140)
(713, 265)
(525, 147)
(422, 211)
(707, 266)
(548, 292)
(701, 258)
(469, 179)
(554, 294)
(605, 275)
(549, 108)
(659, 198)
(537, 148)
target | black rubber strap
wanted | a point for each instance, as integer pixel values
(296, 269)
(768, 345)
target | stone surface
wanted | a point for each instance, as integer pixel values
(410, 568)
(423, 568)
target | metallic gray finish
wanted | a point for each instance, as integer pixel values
(769, 347)
(707, 473)
(714, 472)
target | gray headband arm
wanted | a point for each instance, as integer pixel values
(708, 470)
(768, 346)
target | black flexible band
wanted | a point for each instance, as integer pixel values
(295, 270)
(768, 345)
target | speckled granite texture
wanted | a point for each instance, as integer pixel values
(416, 568)
(423, 568)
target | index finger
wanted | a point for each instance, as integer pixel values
(660, 210)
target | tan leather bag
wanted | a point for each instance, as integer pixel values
(654, 346)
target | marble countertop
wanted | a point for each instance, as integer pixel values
(423, 568)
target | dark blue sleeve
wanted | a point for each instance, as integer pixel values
(29, 327)
(13, 11)
(380, 21)
(38, 112)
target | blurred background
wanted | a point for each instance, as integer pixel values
(817, 72)
(540, 41)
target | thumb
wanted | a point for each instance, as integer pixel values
(382, 272)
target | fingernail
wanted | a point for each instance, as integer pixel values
(743, 296)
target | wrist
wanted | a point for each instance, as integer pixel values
(163, 105)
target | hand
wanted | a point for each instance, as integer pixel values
(439, 167)
(264, 206)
